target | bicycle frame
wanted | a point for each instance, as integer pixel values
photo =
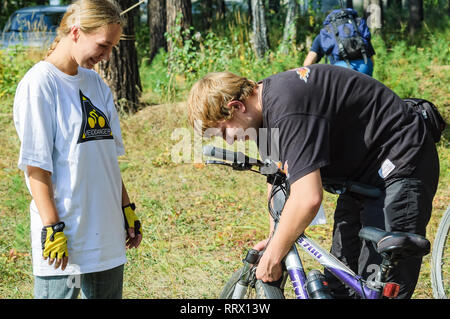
(292, 260)
(336, 267)
(297, 274)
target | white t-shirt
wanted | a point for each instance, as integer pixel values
(68, 125)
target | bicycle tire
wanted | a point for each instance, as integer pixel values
(439, 265)
(260, 291)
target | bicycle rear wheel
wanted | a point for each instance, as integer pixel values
(260, 291)
(440, 264)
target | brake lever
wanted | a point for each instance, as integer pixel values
(239, 166)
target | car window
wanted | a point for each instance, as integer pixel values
(34, 21)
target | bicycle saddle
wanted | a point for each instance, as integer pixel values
(396, 245)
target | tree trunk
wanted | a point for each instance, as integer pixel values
(157, 25)
(349, 3)
(404, 4)
(207, 10)
(260, 42)
(290, 26)
(221, 8)
(274, 6)
(177, 8)
(393, 3)
(415, 16)
(121, 71)
(303, 7)
(395, 6)
(3, 7)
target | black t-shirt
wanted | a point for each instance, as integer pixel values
(344, 122)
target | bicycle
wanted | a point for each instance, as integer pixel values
(439, 260)
(392, 246)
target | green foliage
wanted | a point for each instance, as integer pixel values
(398, 57)
(416, 70)
(13, 66)
(194, 54)
(198, 55)
(193, 216)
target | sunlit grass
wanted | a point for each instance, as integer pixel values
(198, 220)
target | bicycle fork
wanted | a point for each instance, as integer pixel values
(294, 268)
(244, 279)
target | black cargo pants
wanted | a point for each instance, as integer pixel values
(405, 206)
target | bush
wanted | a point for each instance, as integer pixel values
(13, 66)
(416, 69)
(410, 67)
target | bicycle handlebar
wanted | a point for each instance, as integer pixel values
(235, 157)
(240, 161)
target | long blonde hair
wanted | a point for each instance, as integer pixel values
(88, 15)
(208, 97)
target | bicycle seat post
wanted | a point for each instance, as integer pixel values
(386, 266)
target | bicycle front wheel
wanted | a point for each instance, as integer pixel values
(260, 291)
(440, 265)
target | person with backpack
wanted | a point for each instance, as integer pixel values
(345, 40)
(332, 124)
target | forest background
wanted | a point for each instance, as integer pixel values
(199, 220)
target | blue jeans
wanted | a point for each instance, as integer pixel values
(358, 65)
(106, 284)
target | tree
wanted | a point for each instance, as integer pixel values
(394, 4)
(221, 8)
(274, 5)
(211, 10)
(177, 9)
(121, 71)
(415, 16)
(157, 24)
(260, 42)
(207, 11)
(290, 26)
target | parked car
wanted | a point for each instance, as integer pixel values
(32, 27)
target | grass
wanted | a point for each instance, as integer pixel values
(199, 220)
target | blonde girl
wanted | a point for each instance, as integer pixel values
(70, 140)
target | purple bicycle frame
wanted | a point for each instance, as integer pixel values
(297, 274)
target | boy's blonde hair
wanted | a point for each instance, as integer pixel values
(88, 15)
(208, 98)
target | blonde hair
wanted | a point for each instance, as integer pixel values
(208, 97)
(88, 15)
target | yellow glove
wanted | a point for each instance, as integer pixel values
(54, 242)
(131, 220)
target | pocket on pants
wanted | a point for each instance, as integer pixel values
(407, 206)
